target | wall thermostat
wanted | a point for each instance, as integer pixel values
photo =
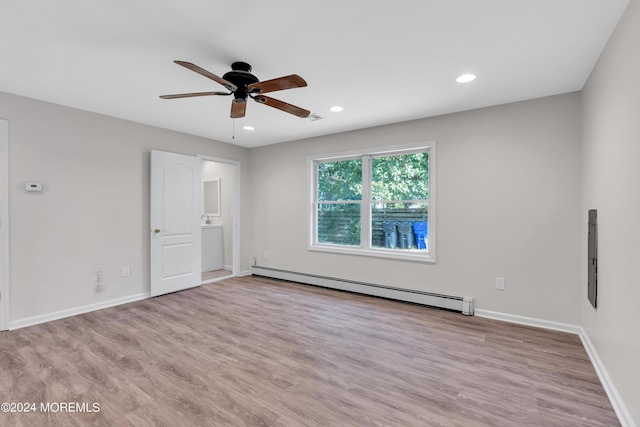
(33, 186)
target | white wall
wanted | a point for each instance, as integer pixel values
(227, 174)
(4, 223)
(611, 181)
(94, 211)
(508, 205)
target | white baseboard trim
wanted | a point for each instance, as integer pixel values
(529, 321)
(245, 273)
(612, 393)
(35, 320)
(614, 397)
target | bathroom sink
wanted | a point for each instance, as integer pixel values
(211, 225)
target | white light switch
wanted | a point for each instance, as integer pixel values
(500, 283)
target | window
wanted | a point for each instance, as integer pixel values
(376, 202)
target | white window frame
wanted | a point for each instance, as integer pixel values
(365, 248)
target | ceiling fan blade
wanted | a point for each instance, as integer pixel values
(238, 109)
(281, 83)
(281, 105)
(189, 95)
(207, 74)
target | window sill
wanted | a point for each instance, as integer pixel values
(418, 255)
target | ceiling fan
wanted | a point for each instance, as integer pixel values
(242, 85)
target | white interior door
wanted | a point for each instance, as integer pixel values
(176, 202)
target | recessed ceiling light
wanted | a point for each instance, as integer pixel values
(466, 78)
(336, 108)
(248, 128)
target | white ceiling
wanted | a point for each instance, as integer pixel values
(385, 62)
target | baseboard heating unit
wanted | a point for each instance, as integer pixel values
(455, 303)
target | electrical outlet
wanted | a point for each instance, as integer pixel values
(266, 255)
(126, 271)
(500, 283)
(99, 277)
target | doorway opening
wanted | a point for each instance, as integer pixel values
(220, 220)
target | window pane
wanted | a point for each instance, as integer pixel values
(397, 226)
(340, 180)
(402, 177)
(339, 224)
(374, 202)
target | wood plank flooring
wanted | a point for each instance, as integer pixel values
(253, 351)
(214, 274)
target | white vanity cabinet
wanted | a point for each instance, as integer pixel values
(211, 247)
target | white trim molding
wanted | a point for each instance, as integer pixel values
(529, 321)
(612, 393)
(614, 397)
(35, 320)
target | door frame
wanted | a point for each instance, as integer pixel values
(236, 209)
(4, 225)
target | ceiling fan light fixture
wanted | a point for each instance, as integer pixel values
(336, 108)
(466, 78)
(247, 127)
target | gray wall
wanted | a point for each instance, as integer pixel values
(94, 211)
(611, 183)
(508, 199)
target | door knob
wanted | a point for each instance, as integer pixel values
(156, 230)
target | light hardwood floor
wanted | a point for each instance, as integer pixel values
(214, 274)
(259, 352)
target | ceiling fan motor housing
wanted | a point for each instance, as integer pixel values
(241, 77)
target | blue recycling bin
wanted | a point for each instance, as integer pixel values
(390, 234)
(421, 230)
(405, 235)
